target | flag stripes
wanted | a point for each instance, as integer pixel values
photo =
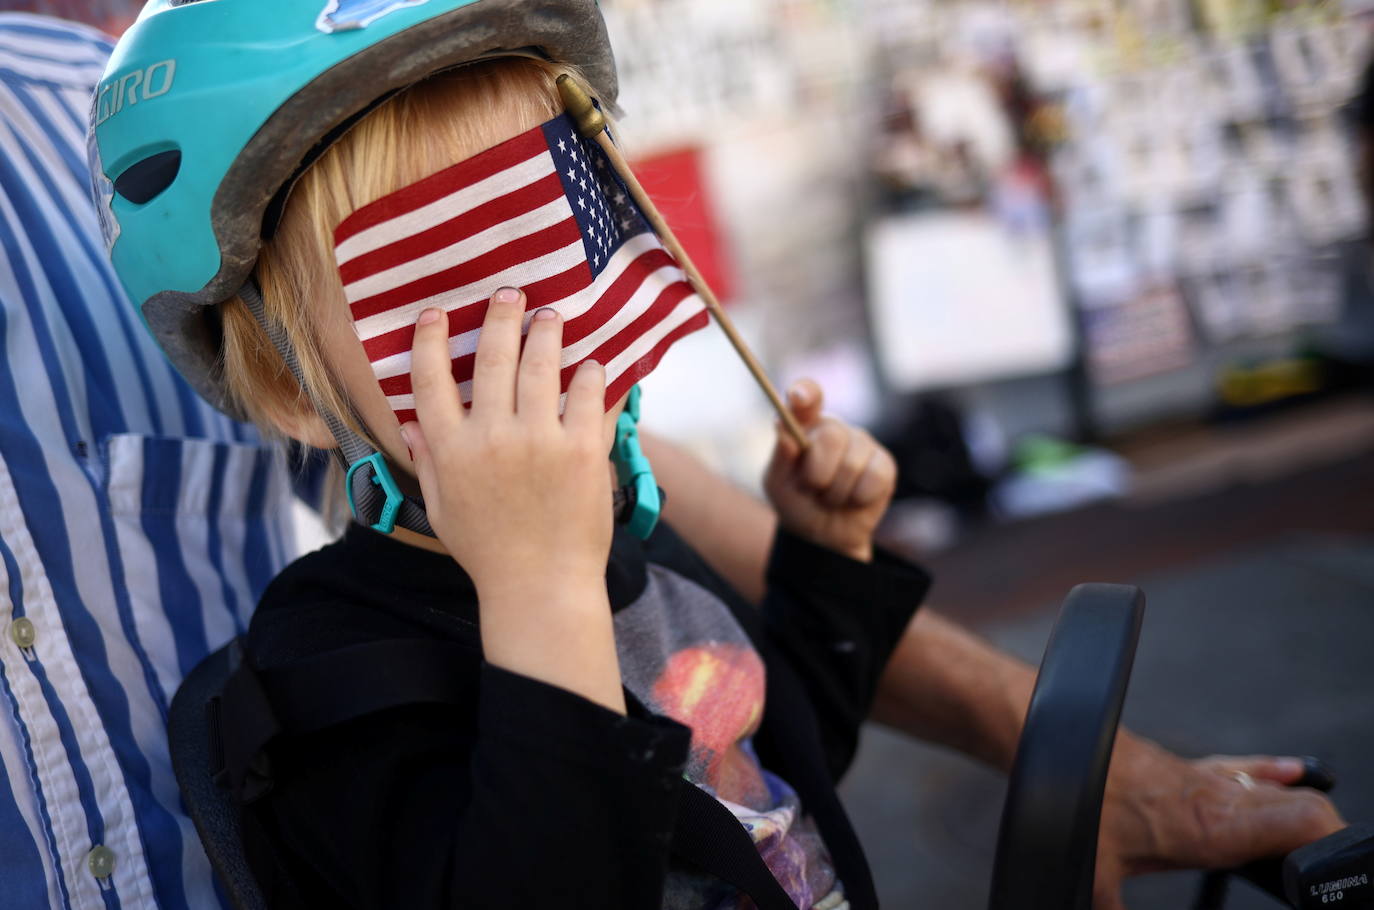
(528, 213)
(431, 201)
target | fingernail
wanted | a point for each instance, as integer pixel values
(506, 295)
(431, 314)
(1293, 766)
(544, 312)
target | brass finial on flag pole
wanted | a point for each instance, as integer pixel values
(591, 124)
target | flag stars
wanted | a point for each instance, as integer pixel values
(582, 203)
(572, 174)
(563, 145)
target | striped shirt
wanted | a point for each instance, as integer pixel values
(137, 525)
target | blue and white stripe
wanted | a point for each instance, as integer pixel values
(137, 525)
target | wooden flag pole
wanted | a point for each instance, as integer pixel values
(591, 124)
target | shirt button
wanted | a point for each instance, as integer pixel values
(23, 632)
(101, 861)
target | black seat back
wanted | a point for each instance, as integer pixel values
(210, 806)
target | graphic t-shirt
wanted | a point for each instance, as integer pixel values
(685, 656)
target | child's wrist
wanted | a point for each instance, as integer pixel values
(857, 548)
(547, 584)
(558, 634)
(537, 570)
(859, 553)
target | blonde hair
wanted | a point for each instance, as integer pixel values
(424, 129)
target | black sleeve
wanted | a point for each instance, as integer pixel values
(533, 798)
(837, 621)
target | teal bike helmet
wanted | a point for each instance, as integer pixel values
(209, 109)
(208, 112)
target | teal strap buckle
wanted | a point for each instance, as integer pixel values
(632, 470)
(381, 476)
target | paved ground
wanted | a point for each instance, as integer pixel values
(1266, 649)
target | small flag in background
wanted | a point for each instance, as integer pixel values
(678, 181)
(543, 212)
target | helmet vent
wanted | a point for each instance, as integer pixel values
(143, 180)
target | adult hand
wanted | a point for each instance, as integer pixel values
(836, 491)
(1163, 812)
(520, 497)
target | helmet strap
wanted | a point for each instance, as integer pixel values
(373, 495)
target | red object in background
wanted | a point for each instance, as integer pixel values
(674, 180)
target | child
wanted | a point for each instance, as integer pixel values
(617, 727)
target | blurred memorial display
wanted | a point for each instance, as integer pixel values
(1200, 180)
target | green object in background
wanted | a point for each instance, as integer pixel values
(1037, 453)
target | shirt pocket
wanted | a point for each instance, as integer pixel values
(202, 526)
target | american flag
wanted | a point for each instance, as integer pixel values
(543, 212)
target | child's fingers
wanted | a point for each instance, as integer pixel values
(853, 464)
(878, 480)
(420, 456)
(804, 399)
(437, 401)
(586, 402)
(536, 393)
(829, 440)
(785, 449)
(498, 353)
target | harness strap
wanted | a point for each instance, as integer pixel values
(332, 688)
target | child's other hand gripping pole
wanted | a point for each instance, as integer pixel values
(836, 491)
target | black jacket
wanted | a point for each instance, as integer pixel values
(514, 793)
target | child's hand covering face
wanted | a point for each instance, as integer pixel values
(540, 484)
(521, 497)
(543, 212)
